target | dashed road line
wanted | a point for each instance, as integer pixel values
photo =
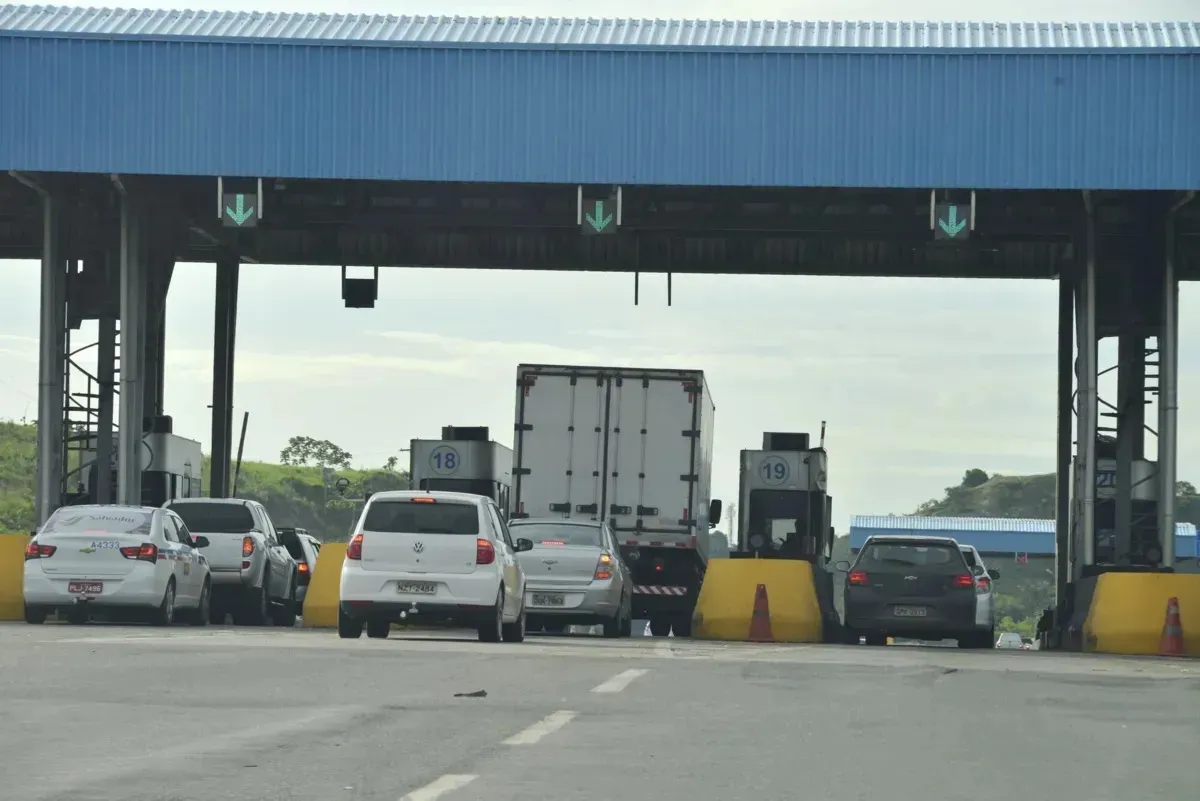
(440, 786)
(547, 725)
(620, 681)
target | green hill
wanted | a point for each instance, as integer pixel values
(296, 494)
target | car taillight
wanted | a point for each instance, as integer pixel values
(983, 586)
(354, 547)
(603, 568)
(247, 546)
(964, 580)
(303, 568)
(36, 550)
(146, 552)
(857, 577)
(485, 554)
(659, 565)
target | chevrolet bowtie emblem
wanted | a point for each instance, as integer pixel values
(88, 549)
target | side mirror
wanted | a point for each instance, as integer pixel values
(842, 567)
(977, 570)
(994, 574)
(524, 545)
(199, 542)
(714, 512)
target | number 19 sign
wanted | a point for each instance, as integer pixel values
(444, 460)
(774, 470)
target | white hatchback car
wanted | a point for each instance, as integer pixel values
(116, 559)
(432, 558)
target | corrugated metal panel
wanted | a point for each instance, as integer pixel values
(597, 33)
(990, 534)
(1031, 121)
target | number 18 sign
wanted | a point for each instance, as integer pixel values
(444, 460)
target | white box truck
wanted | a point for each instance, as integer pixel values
(633, 447)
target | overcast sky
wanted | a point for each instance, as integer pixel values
(918, 379)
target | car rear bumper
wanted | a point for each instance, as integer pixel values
(583, 603)
(478, 589)
(943, 618)
(138, 588)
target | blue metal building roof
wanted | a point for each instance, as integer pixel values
(989, 534)
(914, 105)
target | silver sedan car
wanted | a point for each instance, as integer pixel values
(574, 576)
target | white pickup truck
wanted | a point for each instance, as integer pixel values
(253, 576)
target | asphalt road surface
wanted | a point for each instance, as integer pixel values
(105, 713)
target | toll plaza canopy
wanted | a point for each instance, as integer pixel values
(994, 535)
(693, 103)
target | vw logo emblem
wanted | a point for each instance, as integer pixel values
(418, 547)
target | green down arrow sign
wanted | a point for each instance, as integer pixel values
(599, 220)
(949, 224)
(237, 213)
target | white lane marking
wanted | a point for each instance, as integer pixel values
(440, 786)
(547, 725)
(620, 681)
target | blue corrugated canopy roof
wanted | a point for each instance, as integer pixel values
(989, 534)
(592, 34)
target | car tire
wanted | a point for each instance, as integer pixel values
(34, 616)
(627, 622)
(164, 615)
(201, 615)
(877, 640)
(284, 615)
(492, 629)
(612, 626)
(254, 611)
(681, 624)
(990, 643)
(379, 629)
(349, 628)
(515, 631)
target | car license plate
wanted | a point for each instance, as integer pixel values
(416, 588)
(909, 611)
(549, 599)
(85, 587)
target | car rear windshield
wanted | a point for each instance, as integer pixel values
(921, 558)
(406, 517)
(291, 540)
(969, 556)
(123, 521)
(215, 518)
(557, 533)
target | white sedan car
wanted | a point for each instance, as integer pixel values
(111, 559)
(432, 558)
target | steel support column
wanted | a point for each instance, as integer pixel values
(1062, 484)
(133, 349)
(51, 363)
(158, 284)
(1083, 554)
(224, 337)
(106, 353)
(1131, 431)
(1168, 395)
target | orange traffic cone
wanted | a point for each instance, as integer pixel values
(1171, 643)
(760, 620)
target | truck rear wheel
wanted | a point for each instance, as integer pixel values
(682, 624)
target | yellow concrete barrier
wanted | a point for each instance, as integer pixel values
(1128, 610)
(324, 588)
(726, 602)
(12, 576)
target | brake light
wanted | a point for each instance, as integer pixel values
(354, 547)
(485, 554)
(603, 568)
(36, 550)
(964, 580)
(424, 499)
(858, 577)
(303, 568)
(553, 542)
(659, 566)
(983, 586)
(247, 546)
(146, 552)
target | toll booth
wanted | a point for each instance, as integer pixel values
(785, 511)
(465, 459)
(1142, 548)
(170, 469)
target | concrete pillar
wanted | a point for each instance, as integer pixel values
(1083, 552)
(1062, 484)
(133, 337)
(158, 284)
(224, 341)
(106, 352)
(51, 364)
(1131, 432)
(1168, 391)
